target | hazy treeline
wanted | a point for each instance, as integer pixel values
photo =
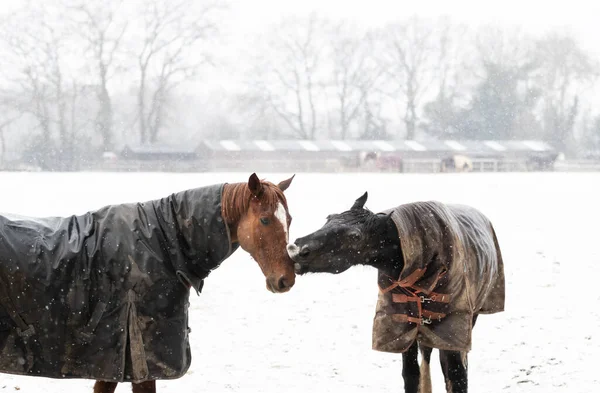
(82, 77)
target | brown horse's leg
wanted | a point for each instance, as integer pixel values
(425, 379)
(104, 387)
(410, 369)
(144, 387)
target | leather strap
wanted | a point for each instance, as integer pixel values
(23, 329)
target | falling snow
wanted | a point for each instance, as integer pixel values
(317, 337)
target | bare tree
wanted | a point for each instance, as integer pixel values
(355, 73)
(375, 123)
(259, 120)
(503, 102)
(170, 54)
(4, 124)
(507, 48)
(451, 72)
(566, 73)
(590, 134)
(291, 75)
(409, 53)
(38, 79)
(102, 25)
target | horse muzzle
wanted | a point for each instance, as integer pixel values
(279, 285)
(297, 253)
(299, 256)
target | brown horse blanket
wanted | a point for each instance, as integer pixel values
(452, 270)
(105, 295)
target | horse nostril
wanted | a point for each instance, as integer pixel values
(304, 251)
(281, 283)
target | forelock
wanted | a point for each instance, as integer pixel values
(272, 196)
(349, 217)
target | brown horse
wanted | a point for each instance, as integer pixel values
(112, 278)
(257, 216)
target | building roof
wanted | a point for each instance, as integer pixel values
(380, 146)
(160, 149)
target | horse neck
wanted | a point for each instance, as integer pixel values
(235, 202)
(387, 254)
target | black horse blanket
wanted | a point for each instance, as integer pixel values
(105, 295)
(453, 270)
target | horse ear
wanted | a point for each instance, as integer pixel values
(285, 183)
(254, 185)
(360, 202)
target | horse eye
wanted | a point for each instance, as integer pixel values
(264, 220)
(354, 234)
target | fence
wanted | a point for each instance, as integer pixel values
(321, 165)
(577, 166)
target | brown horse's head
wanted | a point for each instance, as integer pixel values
(258, 216)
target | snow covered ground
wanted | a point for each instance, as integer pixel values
(317, 338)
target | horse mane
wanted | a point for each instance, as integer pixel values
(354, 217)
(367, 219)
(371, 222)
(237, 196)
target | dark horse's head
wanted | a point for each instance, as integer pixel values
(354, 237)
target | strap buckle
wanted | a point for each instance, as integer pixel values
(30, 331)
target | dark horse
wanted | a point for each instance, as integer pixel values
(105, 295)
(439, 268)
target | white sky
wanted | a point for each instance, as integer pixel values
(579, 17)
(248, 17)
(582, 17)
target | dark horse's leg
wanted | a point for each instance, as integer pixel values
(410, 369)
(144, 387)
(425, 380)
(104, 387)
(455, 368)
(109, 387)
